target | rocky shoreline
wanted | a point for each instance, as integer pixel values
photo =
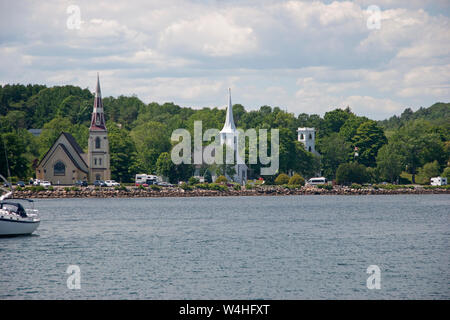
(132, 192)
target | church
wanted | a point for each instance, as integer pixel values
(65, 162)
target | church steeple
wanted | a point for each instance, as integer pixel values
(229, 121)
(98, 116)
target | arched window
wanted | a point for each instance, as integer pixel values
(309, 148)
(59, 169)
(310, 136)
(301, 136)
(97, 143)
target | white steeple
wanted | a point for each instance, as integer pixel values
(229, 121)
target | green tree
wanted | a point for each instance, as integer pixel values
(334, 120)
(446, 173)
(335, 150)
(123, 153)
(369, 139)
(15, 153)
(151, 139)
(389, 163)
(165, 167)
(429, 170)
(353, 172)
(418, 143)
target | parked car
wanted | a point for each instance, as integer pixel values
(100, 183)
(21, 184)
(7, 185)
(45, 184)
(36, 182)
(111, 183)
(81, 183)
(137, 184)
(316, 181)
(164, 184)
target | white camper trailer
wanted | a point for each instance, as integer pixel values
(438, 181)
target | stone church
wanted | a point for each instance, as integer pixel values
(65, 162)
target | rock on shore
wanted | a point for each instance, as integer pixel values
(132, 192)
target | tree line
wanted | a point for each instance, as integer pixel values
(409, 148)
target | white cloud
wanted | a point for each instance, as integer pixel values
(306, 56)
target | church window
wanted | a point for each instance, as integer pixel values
(310, 136)
(95, 161)
(301, 136)
(98, 177)
(59, 169)
(309, 148)
(97, 143)
(100, 161)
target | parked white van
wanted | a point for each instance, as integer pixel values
(438, 181)
(317, 181)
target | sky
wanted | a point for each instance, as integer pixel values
(377, 57)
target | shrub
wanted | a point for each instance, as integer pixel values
(237, 187)
(282, 179)
(155, 187)
(249, 186)
(221, 179)
(67, 189)
(185, 186)
(121, 187)
(353, 172)
(50, 188)
(297, 179)
(356, 186)
(74, 189)
(325, 186)
(19, 188)
(203, 186)
(218, 187)
(193, 180)
(141, 187)
(37, 188)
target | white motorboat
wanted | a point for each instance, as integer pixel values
(14, 218)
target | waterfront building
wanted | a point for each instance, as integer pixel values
(229, 136)
(66, 162)
(307, 136)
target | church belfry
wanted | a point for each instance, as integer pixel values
(98, 145)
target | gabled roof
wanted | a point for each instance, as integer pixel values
(73, 142)
(74, 145)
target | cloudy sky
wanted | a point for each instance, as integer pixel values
(303, 56)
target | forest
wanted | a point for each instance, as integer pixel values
(409, 148)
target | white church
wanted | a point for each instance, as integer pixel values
(229, 136)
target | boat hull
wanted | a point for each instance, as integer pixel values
(13, 228)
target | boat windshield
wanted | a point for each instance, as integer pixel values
(17, 208)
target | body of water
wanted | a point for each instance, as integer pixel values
(284, 247)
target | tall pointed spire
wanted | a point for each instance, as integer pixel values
(98, 92)
(229, 121)
(98, 117)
